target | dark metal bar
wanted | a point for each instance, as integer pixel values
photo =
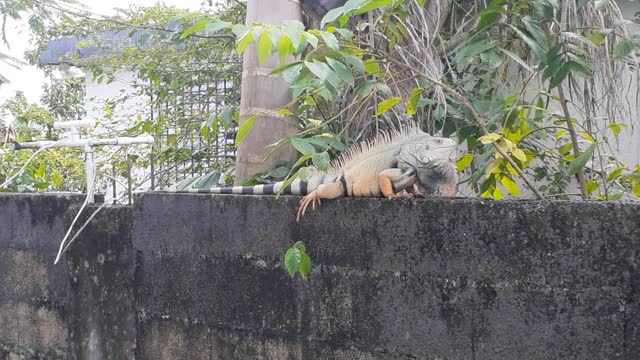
(113, 182)
(129, 178)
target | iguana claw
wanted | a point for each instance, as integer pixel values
(416, 192)
(304, 203)
(400, 196)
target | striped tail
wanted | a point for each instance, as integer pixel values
(297, 187)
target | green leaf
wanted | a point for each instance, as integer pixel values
(520, 155)
(354, 61)
(226, 116)
(41, 171)
(292, 259)
(321, 161)
(491, 59)
(341, 70)
(546, 9)
(305, 173)
(383, 88)
(41, 185)
(330, 40)
(581, 160)
(587, 136)
(243, 42)
(517, 59)
(493, 167)
(216, 25)
(238, 29)
(296, 260)
(384, 106)
(497, 193)
(564, 150)
(244, 128)
(372, 5)
(533, 45)
(264, 47)
(57, 179)
(560, 75)
(467, 52)
(312, 39)
(464, 162)
(321, 70)
(623, 49)
(634, 175)
(305, 265)
(365, 88)
(412, 105)
(597, 37)
(615, 128)
(591, 186)
(303, 146)
(199, 26)
(489, 138)
(345, 33)
(371, 66)
(331, 16)
(300, 245)
(284, 111)
(614, 175)
(534, 29)
(293, 68)
(510, 185)
(285, 47)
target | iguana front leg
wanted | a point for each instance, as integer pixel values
(393, 181)
(324, 191)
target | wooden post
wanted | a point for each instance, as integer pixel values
(264, 94)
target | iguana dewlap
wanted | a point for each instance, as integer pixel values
(406, 160)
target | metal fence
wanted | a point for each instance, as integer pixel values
(184, 148)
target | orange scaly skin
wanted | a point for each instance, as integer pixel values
(397, 164)
(389, 166)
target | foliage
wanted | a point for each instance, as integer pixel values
(296, 260)
(535, 97)
(189, 83)
(38, 13)
(51, 170)
(65, 99)
(533, 90)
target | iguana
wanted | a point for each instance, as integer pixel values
(408, 159)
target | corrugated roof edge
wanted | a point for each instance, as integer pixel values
(67, 50)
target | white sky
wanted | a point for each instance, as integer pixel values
(30, 79)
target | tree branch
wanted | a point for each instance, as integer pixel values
(574, 140)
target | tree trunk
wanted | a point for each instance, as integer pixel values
(263, 95)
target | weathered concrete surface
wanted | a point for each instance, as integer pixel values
(438, 278)
(200, 277)
(79, 309)
(33, 294)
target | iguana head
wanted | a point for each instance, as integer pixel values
(434, 159)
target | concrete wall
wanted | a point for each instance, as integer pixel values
(79, 309)
(200, 277)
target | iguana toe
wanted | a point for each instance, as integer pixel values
(401, 196)
(304, 203)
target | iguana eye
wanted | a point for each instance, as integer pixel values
(438, 141)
